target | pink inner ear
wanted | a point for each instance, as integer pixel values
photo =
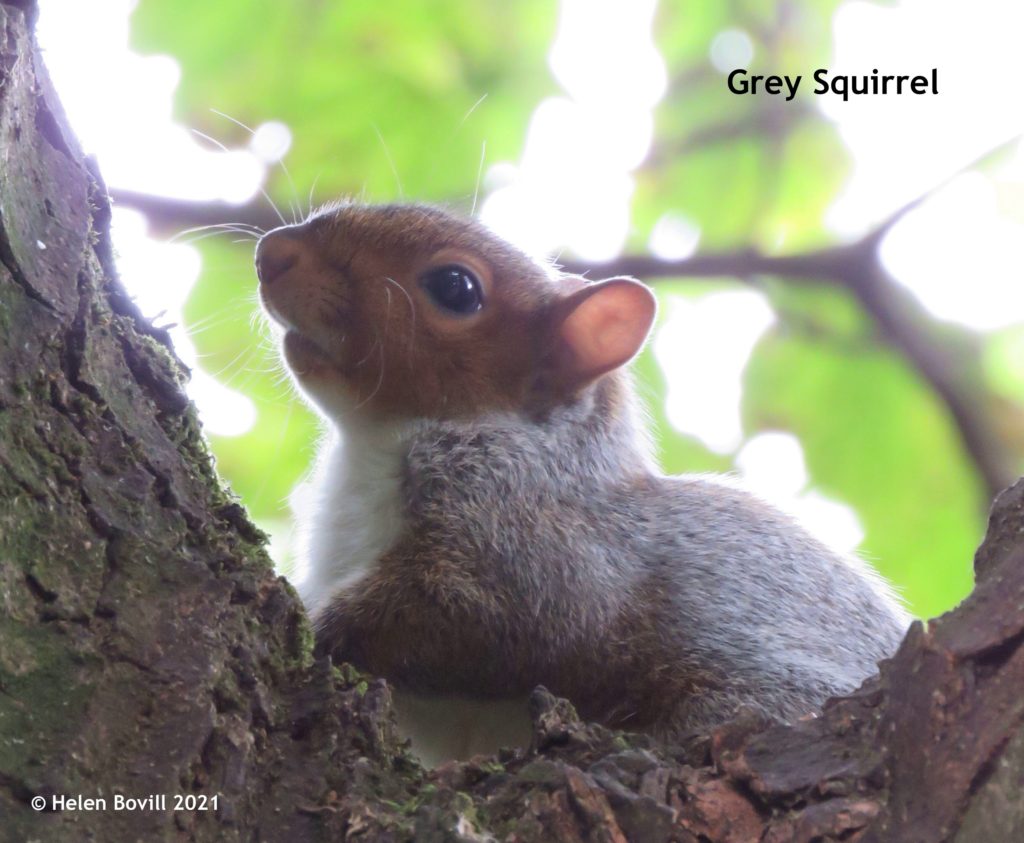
(608, 326)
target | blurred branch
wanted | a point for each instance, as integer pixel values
(908, 328)
(742, 264)
(901, 319)
(172, 216)
(904, 323)
(985, 158)
(690, 77)
(773, 121)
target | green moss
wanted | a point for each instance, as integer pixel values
(463, 804)
(227, 695)
(33, 662)
(349, 677)
(303, 641)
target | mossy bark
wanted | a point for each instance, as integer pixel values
(146, 646)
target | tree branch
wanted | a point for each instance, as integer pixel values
(907, 328)
(774, 122)
(172, 216)
(902, 320)
(816, 266)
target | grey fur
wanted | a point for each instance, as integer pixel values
(662, 603)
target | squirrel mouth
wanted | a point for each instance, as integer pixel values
(304, 356)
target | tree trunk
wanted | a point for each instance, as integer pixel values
(148, 649)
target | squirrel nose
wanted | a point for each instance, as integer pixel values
(276, 253)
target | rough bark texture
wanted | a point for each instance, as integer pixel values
(146, 646)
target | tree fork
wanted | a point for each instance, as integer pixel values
(147, 647)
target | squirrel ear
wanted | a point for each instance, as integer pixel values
(599, 328)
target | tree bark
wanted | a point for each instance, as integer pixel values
(147, 647)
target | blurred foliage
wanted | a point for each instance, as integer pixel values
(371, 91)
(381, 93)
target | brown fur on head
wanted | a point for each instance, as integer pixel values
(351, 287)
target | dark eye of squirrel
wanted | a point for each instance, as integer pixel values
(454, 288)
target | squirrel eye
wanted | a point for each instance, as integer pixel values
(454, 288)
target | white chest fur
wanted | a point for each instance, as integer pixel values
(355, 501)
(356, 513)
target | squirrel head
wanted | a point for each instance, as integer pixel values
(407, 311)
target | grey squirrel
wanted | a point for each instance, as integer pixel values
(490, 516)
